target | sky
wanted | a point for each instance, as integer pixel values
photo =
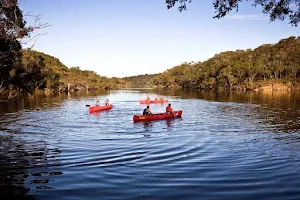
(118, 38)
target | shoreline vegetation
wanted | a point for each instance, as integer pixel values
(273, 67)
(45, 74)
(26, 72)
(269, 67)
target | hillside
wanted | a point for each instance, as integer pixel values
(269, 66)
(72, 79)
(140, 81)
(241, 69)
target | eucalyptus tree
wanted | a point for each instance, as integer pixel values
(275, 9)
(13, 31)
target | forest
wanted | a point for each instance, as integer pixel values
(140, 80)
(57, 76)
(27, 71)
(241, 69)
(37, 71)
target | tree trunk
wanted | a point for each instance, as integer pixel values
(12, 94)
(1, 87)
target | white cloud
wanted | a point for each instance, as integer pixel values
(247, 17)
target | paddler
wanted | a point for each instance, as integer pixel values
(147, 111)
(169, 109)
(98, 103)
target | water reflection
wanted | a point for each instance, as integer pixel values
(13, 164)
(275, 98)
(147, 126)
(163, 124)
(37, 102)
(278, 108)
(169, 123)
(17, 159)
(233, 141)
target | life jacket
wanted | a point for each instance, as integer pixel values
(145, 111)
(169, 109)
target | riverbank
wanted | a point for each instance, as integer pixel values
(44, 73)
(7, 95)
(272, 85)
(268, 85)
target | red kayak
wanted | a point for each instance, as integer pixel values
(159, 116)
(99, 108)
(146, 101)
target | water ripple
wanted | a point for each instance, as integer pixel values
(218, 150)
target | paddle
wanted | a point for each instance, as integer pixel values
(90, 105)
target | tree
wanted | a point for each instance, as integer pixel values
(276, 9)
(32, 76)
(12, 27)
(242, 69)
(13, 31)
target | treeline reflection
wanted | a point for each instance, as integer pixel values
(17, 158)
(278, 108)
(44, 102)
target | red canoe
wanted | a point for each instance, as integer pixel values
(99, 108)
(159, 116)
(153, 101)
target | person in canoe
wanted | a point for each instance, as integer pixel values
(169, 109)
(147, 111)
(148, 98)
(97, 103)
(162, 98)
(107, 102)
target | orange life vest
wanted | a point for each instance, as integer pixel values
(169, 109)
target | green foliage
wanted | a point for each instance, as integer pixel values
(140, 80)
(33, 73)
(54, 74)
(24, 70)
(12, 28)
(239, 68)
(276, 9)
(10, 57)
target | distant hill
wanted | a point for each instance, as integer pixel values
(72, 78)
(269, 66)
(140, 81)
(242, 69)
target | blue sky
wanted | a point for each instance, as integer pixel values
(129, 37)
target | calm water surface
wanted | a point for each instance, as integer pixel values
(226, 146)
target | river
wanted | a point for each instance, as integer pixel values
(233, 145)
